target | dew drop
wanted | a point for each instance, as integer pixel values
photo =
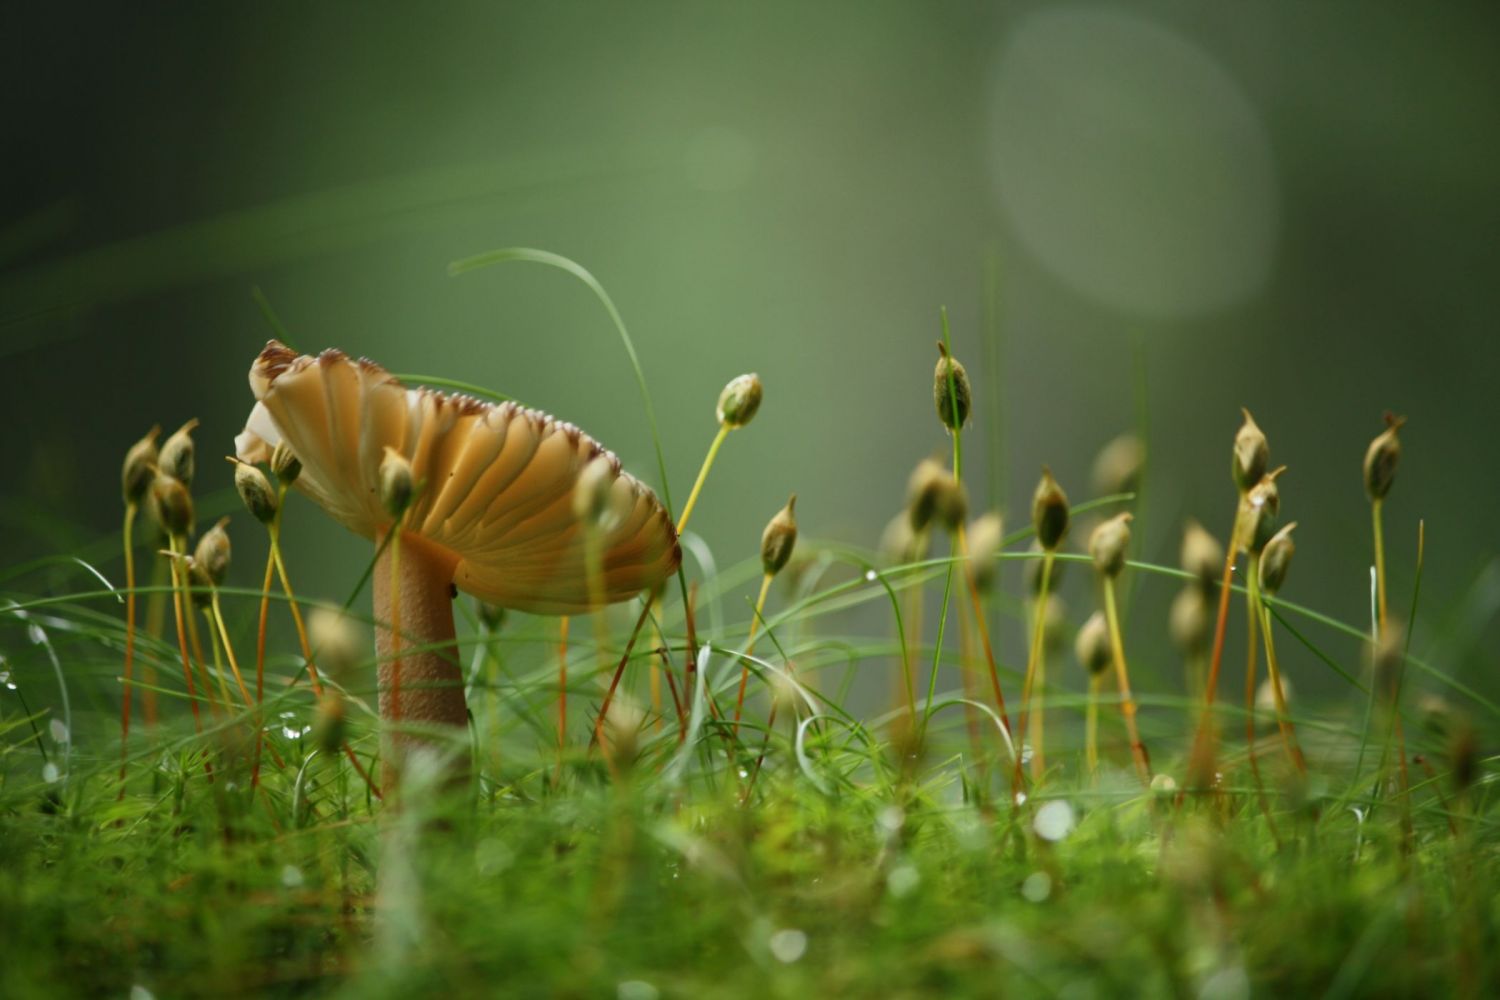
(1054, 820)
(636, 989)
(903, 880)
(890, 819)
(788, 945)
(1037, 887)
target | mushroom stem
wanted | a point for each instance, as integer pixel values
(432, 711)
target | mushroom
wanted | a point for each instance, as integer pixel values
(492, 515)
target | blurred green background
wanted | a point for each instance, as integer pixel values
(1288, 206)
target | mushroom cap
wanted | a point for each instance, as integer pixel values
(495, 482)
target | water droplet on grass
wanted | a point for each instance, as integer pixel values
(50, 774)
(890, 818)
(1228, 983)
(1037, 887)
(903, 880)
(870, 575)
(788, 945)
(1054, 820)
(291, 877)
(58, 730)
(636, 989)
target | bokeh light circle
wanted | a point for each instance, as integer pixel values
(1130, 164)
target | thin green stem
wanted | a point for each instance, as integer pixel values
(909, 635)
(1122, 676)
(1379, 531)
(218, 620)
(129, 530)
(937, 655)
(1283, 719)
(395, 623)
(213, 642)
(1036, 673)
(619, 671)
(188, 599)
(708, 463)
(982, 625)
(1201, 760)
(966, 643)
(1252, 657)
(1091, 729)
(291, 600)
(260, 645)
(187, 663)
(760, 604)
(562, 697)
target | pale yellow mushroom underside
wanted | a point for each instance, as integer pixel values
(495, 481)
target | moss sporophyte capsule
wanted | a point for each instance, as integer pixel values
(739, 401)
(1252, 453)
(950, 390)
(137, 472)
(1049, 512)
(779, 538)
(1382, 457)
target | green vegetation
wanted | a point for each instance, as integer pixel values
(788, 846)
